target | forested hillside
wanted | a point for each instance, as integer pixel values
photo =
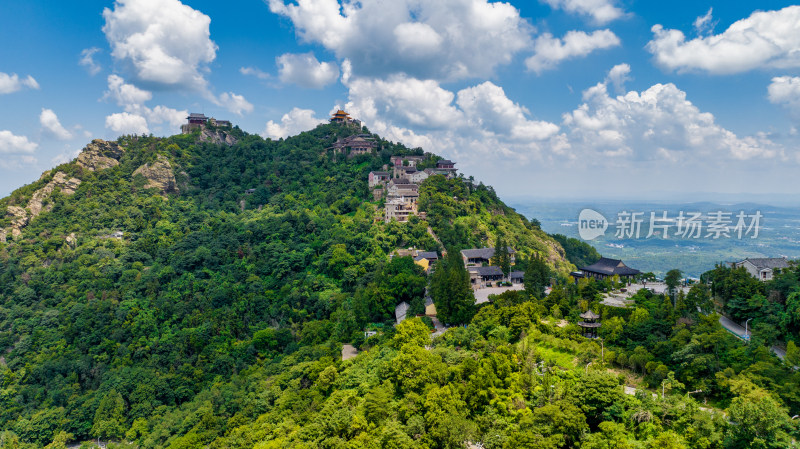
(196, 292)
(140, 279)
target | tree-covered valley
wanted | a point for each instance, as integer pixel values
(196, 291)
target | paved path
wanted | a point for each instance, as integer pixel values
(482, 294)
(623, 299)
(440, 329)
(739, 331)
(617, 300)
(655, 287)
(435, 237)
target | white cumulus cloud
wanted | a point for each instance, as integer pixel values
(487, 107)
(162, 114)
(161, 41)
(125, 94)
(51, 124)
(550, 51)
(13, 144)
(443, 39)
(127, 123)
(765, 39)
(13, 83)
(133, 100)
(471, 124)
(64, 157)
(705, 24)
(87, 60)
(292, 123)
(785, 90)
(618, 76)
(601, 11)
(252, 71)
(404, 101)
(234, 103)
(305, 70)
(654, 123)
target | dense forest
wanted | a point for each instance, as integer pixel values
(189, 293)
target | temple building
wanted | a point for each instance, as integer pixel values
(340, 117)
(446, 164)
(606, 267)
(344, 118)
(403, 164)
(482, 277)
(590, 324)
(354, 145)
(198, 120)
(483, 256)
(193, 121)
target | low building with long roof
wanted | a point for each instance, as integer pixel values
(763, 268)
(606, 267)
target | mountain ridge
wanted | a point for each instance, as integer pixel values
(149, 271)
(101, 155)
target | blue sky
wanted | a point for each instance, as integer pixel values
(550, 98)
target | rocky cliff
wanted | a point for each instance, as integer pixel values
(20, 217)
(99, 155)
(159, 175)
(218, 137)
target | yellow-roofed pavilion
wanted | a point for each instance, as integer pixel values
(340, 117)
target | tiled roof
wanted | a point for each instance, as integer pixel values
(481, 253)
(769, 262)
(610, 267)
(486, 271)
(401, 310)
(589, 315)
(427, 255)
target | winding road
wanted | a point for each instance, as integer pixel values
(739, 331)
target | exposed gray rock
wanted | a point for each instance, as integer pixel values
(99, 155)
(67, 186)
(217, 136)
(159, 175)
(20, 217)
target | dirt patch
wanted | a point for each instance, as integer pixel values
(349, 352)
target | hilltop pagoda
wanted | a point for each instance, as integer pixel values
(341, 117)
(198, 120)
(590, 324)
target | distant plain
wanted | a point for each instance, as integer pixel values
(779, 233)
